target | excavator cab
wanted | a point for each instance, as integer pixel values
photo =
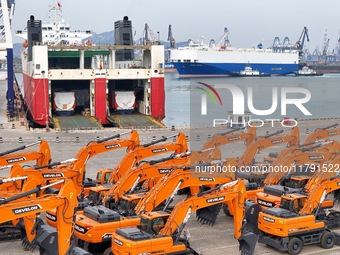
(153, 222)
(103, 176)
(296, 182)
(293, 202)
(126, 206)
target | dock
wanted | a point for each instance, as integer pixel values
(136, 121)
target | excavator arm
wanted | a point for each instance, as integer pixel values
(152, 171)
(65, 202)
(312, 156)
(148, 150)
(232, 191)
(227, 192)
(131, 179)
(101, 146)
(268, 141)
(42, 156)
(325, 181)
(248, 135)
(168, 186)
(321, 133)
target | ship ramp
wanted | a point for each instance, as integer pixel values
(76, 122)
(135, 121)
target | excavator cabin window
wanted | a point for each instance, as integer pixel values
(143, 225)
(152, 226)
(107, 177)
(157, 224)
(294, 205)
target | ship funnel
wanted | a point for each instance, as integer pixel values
(34, 34)
(123, 36)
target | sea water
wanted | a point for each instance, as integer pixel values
(183, 103)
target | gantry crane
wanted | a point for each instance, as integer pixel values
(149, 37)
(171, 39)
(299, 44)
(6, 49)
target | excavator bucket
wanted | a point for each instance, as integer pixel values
(252, 216)
(247, 243)
(209, 214)
(47, 239)
(249, 236)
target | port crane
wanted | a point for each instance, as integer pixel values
(304, 36)
(149, 37)
(6, 50)
(171, 39)
(224, 41)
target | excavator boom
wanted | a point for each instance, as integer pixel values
(55, 241)
(42, 156)
(143, 240)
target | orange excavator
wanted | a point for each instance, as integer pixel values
(300, 219)
(169, 185)
(247, 161)
(94, 148)
(251, 173)
(130, 180)
(95, 224)
(73, 168)
(103, 145)
(325, 132)
(27, 205)
(42, 156)
(159, 232)
(315, 139)
(131, 158)
(300, 167)
(217, 140)
(267, 141)
(150, 172)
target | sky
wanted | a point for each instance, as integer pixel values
(249, 22)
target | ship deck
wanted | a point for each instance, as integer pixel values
(76, 122)
(135, 120)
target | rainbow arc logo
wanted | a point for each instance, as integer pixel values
(212, 93)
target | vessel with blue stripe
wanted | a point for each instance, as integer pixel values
(198, 59)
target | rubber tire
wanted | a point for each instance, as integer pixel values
(327, 240)
(80, 243)
(226, 210)
(295, 246)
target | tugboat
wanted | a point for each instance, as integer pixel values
(249, 72)
(307, 71)
(57, 60)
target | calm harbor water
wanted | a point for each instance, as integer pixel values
(183, 97)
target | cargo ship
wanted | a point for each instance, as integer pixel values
(57, 60)
(199, 59)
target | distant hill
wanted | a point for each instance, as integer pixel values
(105, 38)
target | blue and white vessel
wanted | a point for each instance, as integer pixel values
(199, 59)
